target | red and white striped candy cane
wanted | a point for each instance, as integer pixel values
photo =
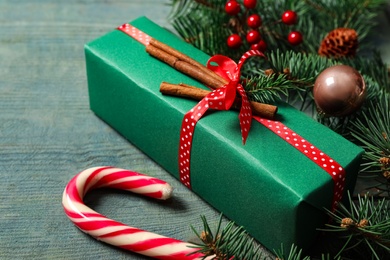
(116, 233)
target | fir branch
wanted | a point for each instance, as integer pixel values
(301, 66)
(204, 24)
(293, 78)
(182, 8)
(230, 242)
(364, 226)
(294, 254)
(374, 70)
(316, 19)
(372, 132)
(355, 14)
(270, 88)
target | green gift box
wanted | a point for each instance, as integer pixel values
(266, 185)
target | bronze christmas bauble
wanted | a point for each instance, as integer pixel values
(339, 90)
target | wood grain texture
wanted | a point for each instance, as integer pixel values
(48, 133)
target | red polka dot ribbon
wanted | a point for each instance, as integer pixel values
(329, 165)
(135, 33)
(222, 99)
(219, 99)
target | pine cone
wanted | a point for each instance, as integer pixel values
(341, 42)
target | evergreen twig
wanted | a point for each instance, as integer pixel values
(226, 243)
(365, 226)
(293, 70)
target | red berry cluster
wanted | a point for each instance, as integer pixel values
(254, 22)
(290, 17)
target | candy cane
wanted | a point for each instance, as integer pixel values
(116, 233)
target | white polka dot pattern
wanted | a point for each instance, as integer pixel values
(218, 100)
(245, 115)
(329, 165)
(135, 33)
(247, 55)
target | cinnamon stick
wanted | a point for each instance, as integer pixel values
(185, 64)
(181, 56)
(183, 90)
(196, 70)
(162, 55)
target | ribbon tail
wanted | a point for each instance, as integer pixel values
(245, 115)
(186, 134)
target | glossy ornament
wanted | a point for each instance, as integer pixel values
(295, 38)
(254, 21)
(250, 4)
(339, 91)
(234, 41)
(289, 17)
(253, 37)
(232, 7)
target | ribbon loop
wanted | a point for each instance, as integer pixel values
(231, 71)
(219, 99)
(222, 98)
(249, 54)
(225, 67)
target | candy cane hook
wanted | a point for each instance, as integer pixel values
(116, 233)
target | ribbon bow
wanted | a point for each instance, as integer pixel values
(222, 99)
(219, 99)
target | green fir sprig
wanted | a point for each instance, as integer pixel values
(297, 254)
(206, 25)
(289, 74)
(363, 225)
(371, 130)
(292, 79)
(230, 242)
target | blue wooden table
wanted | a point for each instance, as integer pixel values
(48, 133)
